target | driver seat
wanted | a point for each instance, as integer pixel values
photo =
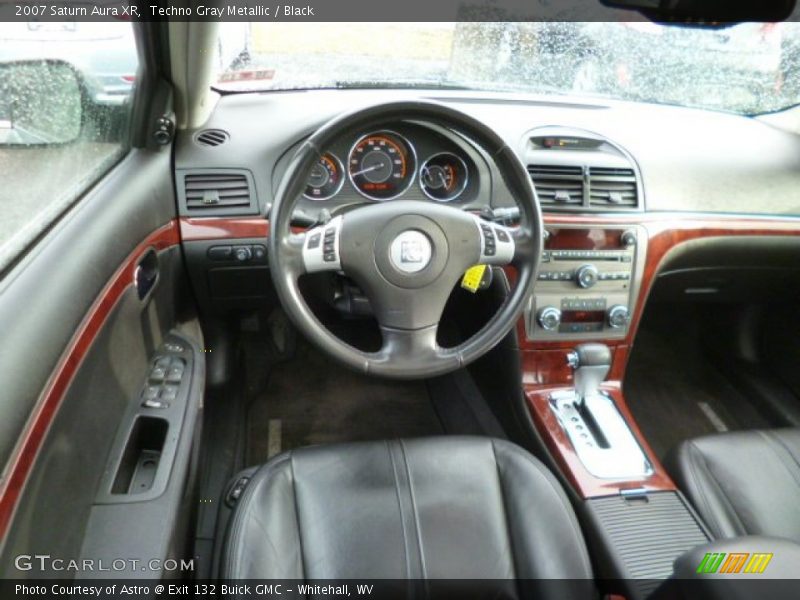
(433, 508)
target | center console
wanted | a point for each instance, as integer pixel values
(587, 284)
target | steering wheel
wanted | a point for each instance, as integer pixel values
(406, 255)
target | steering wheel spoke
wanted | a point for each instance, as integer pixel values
(322, 247)
(405, 350)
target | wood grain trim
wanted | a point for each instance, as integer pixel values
(209, 228)
(46, 408)
(557, 442)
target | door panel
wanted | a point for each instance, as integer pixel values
(73, 322)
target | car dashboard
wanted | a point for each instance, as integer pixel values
(624, 187)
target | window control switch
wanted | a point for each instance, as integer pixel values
(169, 393)
(175, 374)
(150, 392)
(158, 373)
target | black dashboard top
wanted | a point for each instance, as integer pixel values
(688, 159)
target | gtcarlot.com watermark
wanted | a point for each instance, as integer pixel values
(48, 563)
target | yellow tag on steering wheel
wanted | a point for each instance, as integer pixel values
(473, 277)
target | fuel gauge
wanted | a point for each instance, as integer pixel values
(326, 178)
(443, 177)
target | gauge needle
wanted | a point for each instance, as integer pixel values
(367, 170)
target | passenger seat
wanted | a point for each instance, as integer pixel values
(742, 483)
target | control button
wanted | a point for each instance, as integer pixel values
(259, 252)
(175, 373)
(314, 240)
(236, 491)
(169, 393)
(160, 404)
(173, 347)
(617, 316)
(242, 253)
(150, 392)
(549, 318)
(158, 373)
(330, 257)
(628, 238)
(586, 276)
(502, 236)
(220, 253)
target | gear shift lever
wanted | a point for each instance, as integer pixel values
(599, 434)
(591, 363)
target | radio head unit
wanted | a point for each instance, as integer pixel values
(587, 283)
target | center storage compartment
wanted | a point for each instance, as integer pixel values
(137, 469)
(639, 536)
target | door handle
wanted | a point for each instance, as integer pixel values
(146, 274)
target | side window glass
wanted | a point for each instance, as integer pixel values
(66, 91)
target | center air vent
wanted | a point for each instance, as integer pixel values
(219, 192)
(558, 185)
(577, 170)
(211, 137)
(611, 188)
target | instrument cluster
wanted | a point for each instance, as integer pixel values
(383, 165)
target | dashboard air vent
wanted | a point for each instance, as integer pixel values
(557, 185)
(217, 192)
(211, 137)
(611, 188)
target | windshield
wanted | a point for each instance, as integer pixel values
(749, 68)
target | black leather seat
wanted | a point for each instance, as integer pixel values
(743, 482)
(450, 507)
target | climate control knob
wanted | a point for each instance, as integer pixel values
(549, 318)
(617, 316)
(586, 276)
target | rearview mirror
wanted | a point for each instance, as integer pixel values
(41, 103)
(708, 11)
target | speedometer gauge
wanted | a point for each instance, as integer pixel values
(443, 177)
(382, 165)
(326, 178)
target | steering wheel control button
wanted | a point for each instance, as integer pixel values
(321, 249)
(497, 243)
(411, 251)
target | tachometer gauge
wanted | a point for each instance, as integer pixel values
(382, 165)
(326, 178)
(443, 177)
